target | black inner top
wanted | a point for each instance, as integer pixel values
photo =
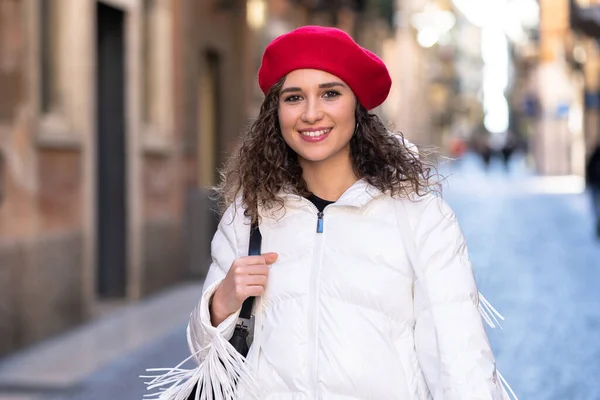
(319, 202)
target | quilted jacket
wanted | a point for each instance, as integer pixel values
(374, 298)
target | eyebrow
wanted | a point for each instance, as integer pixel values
(327, 85)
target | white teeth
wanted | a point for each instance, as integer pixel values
(315, 133)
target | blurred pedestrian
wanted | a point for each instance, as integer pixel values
(365, 287)
(593, 183)
(481, 144)
(508, 148)
(458, 147)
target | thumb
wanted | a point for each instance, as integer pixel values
(270, 258)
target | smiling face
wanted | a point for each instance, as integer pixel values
(316, 116)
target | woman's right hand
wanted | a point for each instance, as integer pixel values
(247, 277)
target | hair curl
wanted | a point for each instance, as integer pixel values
(263, 165)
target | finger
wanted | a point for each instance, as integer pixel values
(267, 258)
(255, 291)
(270, 258)
(255, 280)
(256, 270)
(243, 282)
(244, 279)
(252, 260)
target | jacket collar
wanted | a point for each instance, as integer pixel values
(358, 195)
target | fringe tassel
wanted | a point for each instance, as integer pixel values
(489, 313)
(506, 386)
(219, 376)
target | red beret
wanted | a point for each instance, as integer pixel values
(330, 50)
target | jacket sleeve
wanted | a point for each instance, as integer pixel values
(209, 345)
(450, 339)
(200, 331)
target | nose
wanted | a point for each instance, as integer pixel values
(312, 112)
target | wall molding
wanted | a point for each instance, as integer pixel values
(54, 132)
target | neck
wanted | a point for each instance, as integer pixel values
(330, 178)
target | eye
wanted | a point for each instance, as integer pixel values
(292, 98)
(331, 94)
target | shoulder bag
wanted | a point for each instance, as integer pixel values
(239, 340)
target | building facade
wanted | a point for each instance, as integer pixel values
(114, 118)
(92, 169)
(555, 89)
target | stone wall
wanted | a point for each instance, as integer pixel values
(163, 260)
(40, 288)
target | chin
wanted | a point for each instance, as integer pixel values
(311, 156)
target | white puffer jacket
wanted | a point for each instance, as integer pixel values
(381, 305)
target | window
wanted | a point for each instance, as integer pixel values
(209, 113)
(11, 39)
(156, 55)
(50, 56)
(151, 38)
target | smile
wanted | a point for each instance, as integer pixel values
(315, 133)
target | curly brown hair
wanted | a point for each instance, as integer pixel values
(264, 165)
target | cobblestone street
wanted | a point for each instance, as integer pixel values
(536, 260)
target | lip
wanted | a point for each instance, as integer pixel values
(314, 139)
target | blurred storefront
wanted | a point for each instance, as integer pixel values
(407, 109)
(435, 59)
(555, 86)
(558, 143)
(583, 55)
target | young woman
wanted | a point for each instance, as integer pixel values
(365, 289)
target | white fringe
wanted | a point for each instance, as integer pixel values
(489, 313)
(223, 369)
(506, 386)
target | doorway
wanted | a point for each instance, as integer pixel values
(111, 217)
(209, 146)
(202, 221)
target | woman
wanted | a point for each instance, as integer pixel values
(365, 288)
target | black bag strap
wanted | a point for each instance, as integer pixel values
(254, 246)
(240, 334)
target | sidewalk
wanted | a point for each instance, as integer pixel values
(60, 365)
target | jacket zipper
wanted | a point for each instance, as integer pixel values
(320, 222)
(314, 302)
